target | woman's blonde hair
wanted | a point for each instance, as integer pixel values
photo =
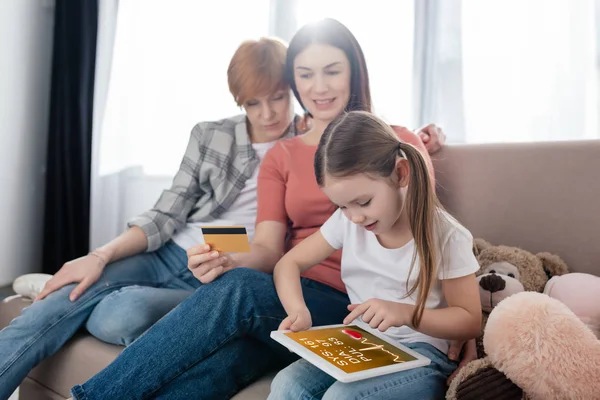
(357, 142)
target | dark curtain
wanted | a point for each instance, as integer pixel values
(67, 205)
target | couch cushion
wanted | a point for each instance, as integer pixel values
(257, 391)
(31, 389)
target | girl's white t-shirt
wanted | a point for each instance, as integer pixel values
(370, 270)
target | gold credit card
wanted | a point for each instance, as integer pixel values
(226, 239)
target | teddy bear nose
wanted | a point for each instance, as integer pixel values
(492, 283)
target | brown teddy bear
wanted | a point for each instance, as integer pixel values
(503, 272)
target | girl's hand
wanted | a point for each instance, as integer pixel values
(466, 351)
(297, 321)
(381, 314)
(207, 265)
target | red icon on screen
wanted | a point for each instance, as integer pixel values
(352, 334)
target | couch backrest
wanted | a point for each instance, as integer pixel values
(537, 196)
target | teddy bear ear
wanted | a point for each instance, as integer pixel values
(553, 264)
(479, 245)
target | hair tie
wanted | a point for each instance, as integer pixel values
(400, 151)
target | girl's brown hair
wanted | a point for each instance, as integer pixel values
(357, 142)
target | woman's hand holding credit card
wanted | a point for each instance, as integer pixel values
(209, 260)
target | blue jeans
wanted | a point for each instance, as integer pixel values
(222, 330)
(123, 315)
(44, 326)
(302, 380)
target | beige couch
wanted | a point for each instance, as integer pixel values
(542, 197)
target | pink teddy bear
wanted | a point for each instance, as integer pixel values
(581, 293)
(548, 344)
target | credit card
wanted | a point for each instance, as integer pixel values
(227, 239)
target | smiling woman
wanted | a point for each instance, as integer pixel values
(327, 71)
(322, 75)
(386, 34)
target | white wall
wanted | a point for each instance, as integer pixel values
(26, 29)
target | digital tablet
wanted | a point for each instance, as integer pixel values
(350, 353)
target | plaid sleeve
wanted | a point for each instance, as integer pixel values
(174, 204)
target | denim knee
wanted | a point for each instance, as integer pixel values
(300, 380)
(115, 321)
(284, 385)
(237, 284)
(122, 316)
(243, 275)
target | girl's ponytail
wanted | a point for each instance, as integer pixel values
(422, 211)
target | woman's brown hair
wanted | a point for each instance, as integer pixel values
(358, 142)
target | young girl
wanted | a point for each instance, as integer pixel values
(407, 265)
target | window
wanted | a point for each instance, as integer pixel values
(168, 73)
(529, 70)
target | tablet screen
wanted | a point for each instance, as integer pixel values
(350, 348)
